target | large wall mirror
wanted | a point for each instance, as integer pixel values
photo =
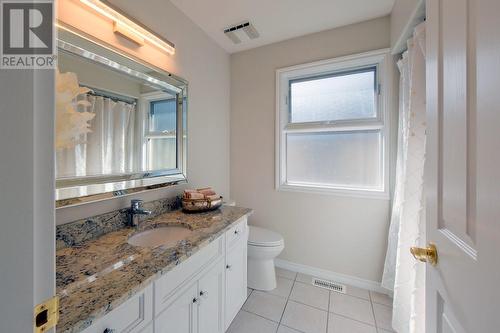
(120, 123)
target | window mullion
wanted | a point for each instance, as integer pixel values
(304, 128)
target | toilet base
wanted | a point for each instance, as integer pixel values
(261, 274)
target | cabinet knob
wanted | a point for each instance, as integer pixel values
(228, 266)
(204, 293)
(109, 330)
(196, 300)
(236, 232)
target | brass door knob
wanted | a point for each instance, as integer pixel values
(428, 254)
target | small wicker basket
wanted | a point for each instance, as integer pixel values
(200, 205)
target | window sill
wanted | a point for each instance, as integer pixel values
(343, 192)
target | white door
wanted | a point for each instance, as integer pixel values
(236, 279)
(211, 305)
(27, 213)
(180, 315)
(463, 165)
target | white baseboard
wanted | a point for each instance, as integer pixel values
(331, 276)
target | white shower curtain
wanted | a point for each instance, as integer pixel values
(402, 273)
(108, 148)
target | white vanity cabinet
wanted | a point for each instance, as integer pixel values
(199, 308)
(203, 294)
(211, 292)
(236, 271)
(180, 315)
(133, 316)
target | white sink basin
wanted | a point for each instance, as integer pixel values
(165, 236)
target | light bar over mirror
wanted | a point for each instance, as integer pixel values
(120, 123)
(128, 28)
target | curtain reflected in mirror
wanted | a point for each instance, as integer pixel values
(120, 124)
(108, 147)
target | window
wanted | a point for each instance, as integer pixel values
(162, 134)
(332, 126)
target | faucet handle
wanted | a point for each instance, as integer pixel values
(136, 203)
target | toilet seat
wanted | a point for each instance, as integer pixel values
(261, 237)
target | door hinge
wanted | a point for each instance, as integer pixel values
(46, 315)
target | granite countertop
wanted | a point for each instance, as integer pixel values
(96, 276)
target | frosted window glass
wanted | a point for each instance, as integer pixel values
(347, 159)
(162, 153)
(339, 97)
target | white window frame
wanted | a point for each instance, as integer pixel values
(381, 59)
(144, 133)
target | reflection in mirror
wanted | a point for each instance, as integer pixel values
(119, 124)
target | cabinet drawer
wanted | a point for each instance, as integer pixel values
(237, 233)
(130, 317)
(168, 284)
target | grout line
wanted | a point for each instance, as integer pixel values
(294, 329)
(251, 291)
(309, 305)
(258, 315)
(373, 311)
(328, 313)
(286, 304)
(246, 300)
(348, 295)
(352, 319)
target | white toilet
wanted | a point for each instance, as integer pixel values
(263, 246)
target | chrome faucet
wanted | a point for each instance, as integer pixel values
(135, 210)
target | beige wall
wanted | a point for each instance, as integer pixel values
(199, 60)
(340, 234)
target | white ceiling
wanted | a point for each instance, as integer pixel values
(278, 20)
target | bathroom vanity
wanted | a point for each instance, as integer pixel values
(122, 130)
(198, 284)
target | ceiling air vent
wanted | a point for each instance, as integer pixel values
(240, 32)
(340, 288)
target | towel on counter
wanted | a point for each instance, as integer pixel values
(207, 191)
(201, 193)
(193, 195)
(212, 197)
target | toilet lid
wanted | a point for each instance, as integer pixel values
(263, 237)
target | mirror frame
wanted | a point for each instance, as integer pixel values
(102, 187)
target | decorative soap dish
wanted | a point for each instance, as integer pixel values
(200, 205)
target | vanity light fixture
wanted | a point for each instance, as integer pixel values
(128, 28)
(123, 30)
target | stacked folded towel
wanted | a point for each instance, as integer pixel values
(201, 193)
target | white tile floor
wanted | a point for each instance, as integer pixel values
(296, 306)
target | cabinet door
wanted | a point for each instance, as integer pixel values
(211, 305)
(130, 317)
(180, 315)
(236, 279)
